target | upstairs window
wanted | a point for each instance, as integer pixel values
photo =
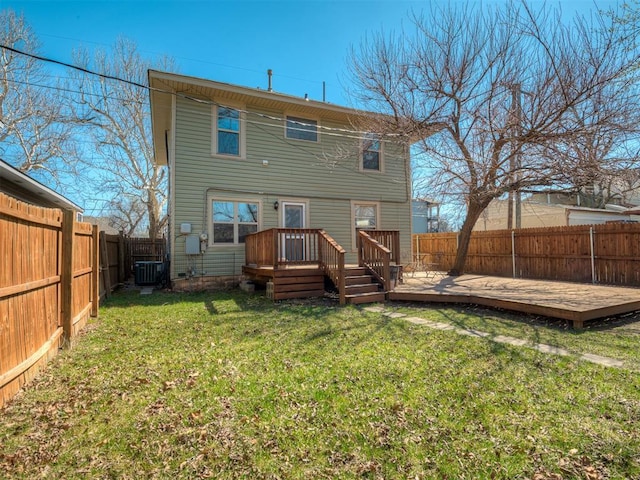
(371, 153)
(302, 129)
(228, 132)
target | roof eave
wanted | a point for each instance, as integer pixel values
(11, 174)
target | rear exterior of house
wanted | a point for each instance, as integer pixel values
(246, 160)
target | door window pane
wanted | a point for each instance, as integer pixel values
(293, 216)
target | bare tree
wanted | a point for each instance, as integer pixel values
(127, 214)
(35, 126)
(494, 95)
(116, 116)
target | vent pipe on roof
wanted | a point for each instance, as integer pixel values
(270, 74)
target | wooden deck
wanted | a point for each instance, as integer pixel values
(291, 282)
(575, 302)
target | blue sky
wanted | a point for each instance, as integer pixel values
(304, 42)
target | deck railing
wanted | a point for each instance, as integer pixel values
(282, 246)
(331, 256)
(375, 256)
(278, 247)
(259, 248)
(389, 239)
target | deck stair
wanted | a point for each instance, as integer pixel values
(293, 263)
(361, 286)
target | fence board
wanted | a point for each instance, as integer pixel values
(146, 250)
(32, 287)
(552, 253)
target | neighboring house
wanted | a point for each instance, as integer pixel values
(425, 215)
(24, 188)
(541, 214)
(244, 160)
(103, 223)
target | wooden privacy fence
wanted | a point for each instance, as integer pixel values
(118, 255)
(145, 250)
(48, 286)
(606, 254)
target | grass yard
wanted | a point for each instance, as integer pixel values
(230, 385)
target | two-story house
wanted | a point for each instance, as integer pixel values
(245, 161)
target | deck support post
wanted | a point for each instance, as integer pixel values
(593, 258)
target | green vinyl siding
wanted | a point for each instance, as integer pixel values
(325, 174)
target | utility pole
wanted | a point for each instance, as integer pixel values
(517, 88)
(515, 162)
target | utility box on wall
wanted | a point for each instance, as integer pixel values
(192, 245)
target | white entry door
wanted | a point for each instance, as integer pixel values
(293, 245)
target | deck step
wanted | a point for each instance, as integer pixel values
(358, 279)
(297, 287)
(364, 288)
(355, 271)
(298, 294)
(372, 297)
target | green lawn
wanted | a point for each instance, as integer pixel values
(230, 385)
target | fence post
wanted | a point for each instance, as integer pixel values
(66, 277)
(513, 252)
(593, 259)
(123, 273)
(95, 274)
(104, 265)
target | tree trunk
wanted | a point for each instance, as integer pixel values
(153, 218)
(464, 237)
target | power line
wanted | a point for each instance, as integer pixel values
(207, 62)
(75, 67)
(182, 95)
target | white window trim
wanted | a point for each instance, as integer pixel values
(303, 116)
(354, 203)
(211, 199)
(243, 131)
(380, 156)
(300, 201)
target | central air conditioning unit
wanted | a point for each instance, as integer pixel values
(148, 273)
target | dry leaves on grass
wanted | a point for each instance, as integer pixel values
(573, 466)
